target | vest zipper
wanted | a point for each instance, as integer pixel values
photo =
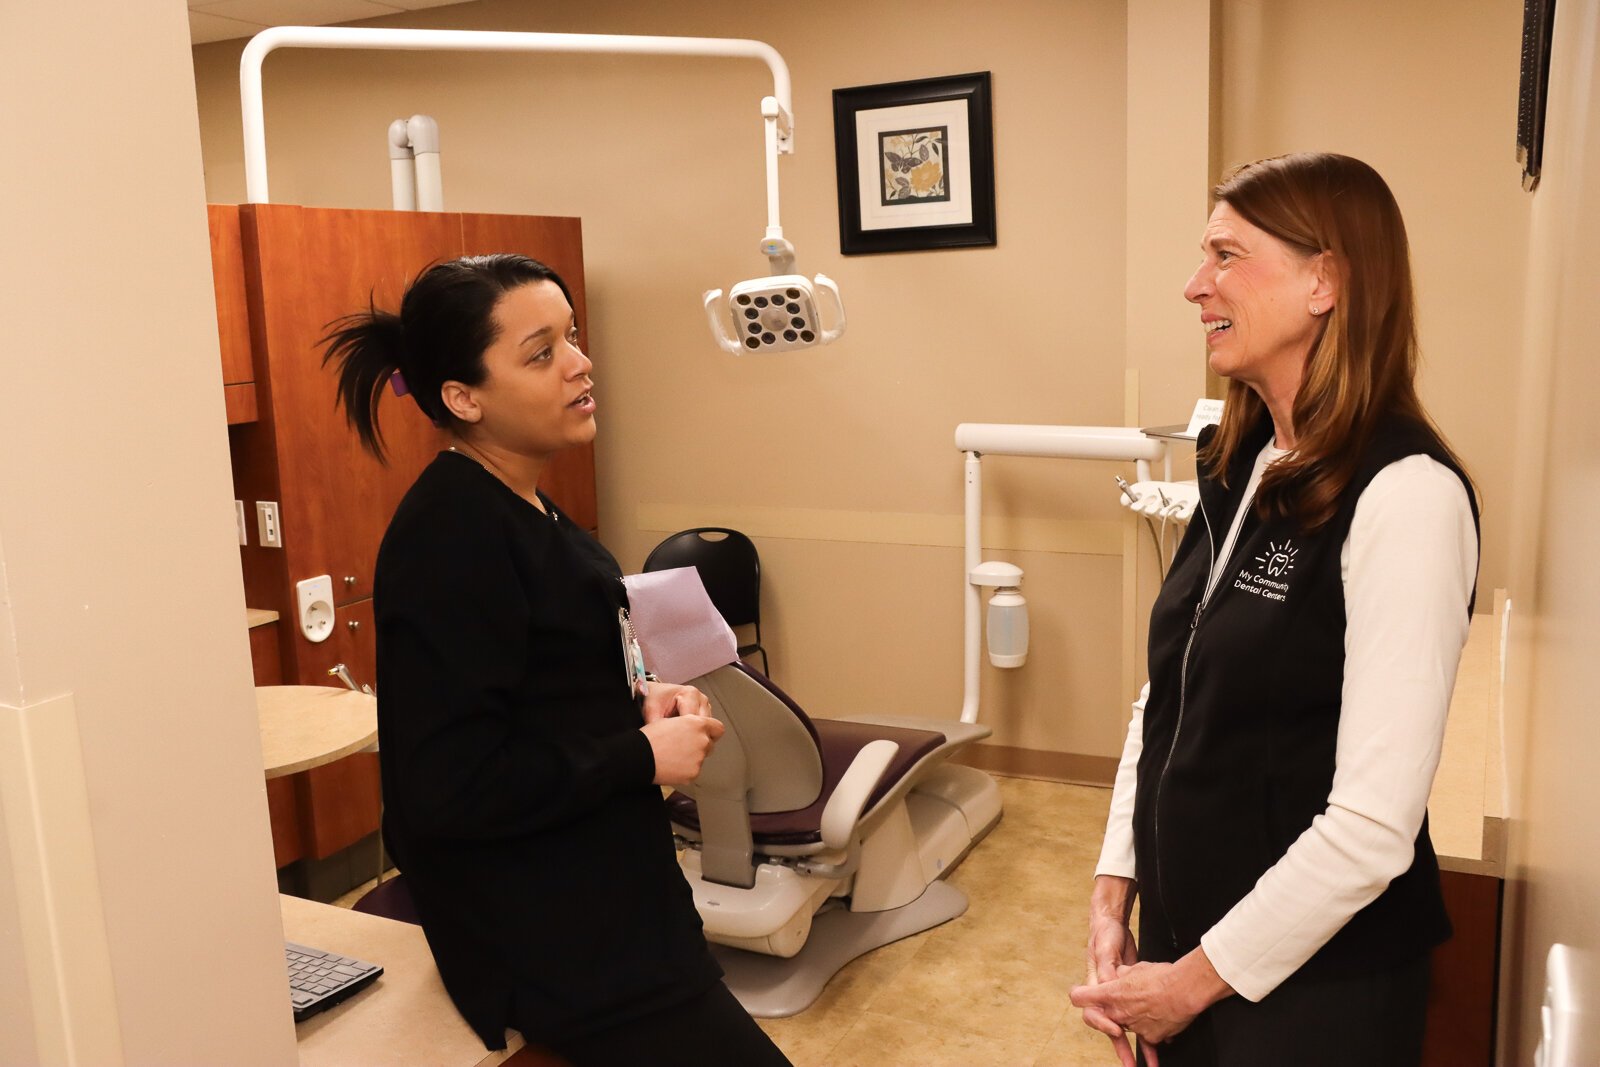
(1183, 685)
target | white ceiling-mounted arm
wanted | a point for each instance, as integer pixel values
(255, 137)
(402, 167)
(424, 132)
(414, 170)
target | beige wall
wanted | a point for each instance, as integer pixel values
(817, 454)
(1425, 91)
(135, 843)
(1552, 732)
(1097, 105)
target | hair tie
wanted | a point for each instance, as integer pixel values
(397, 382)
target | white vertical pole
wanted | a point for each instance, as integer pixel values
(972, 543)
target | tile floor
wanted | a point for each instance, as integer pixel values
(988, 989)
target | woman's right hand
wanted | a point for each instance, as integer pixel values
(1111, 945)
(680, 745)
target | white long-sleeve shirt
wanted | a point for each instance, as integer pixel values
(1408, 566)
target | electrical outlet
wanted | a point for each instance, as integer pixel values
(271, 534)
(238, 518)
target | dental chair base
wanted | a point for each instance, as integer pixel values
(797, 826)
(773, 988)
(896, 890)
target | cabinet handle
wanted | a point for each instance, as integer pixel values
(350, 580)
(354, 624)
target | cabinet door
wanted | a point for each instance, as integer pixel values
(308, 267)
(233, 323)
(558, 243)
(339, 802)
(351, 642)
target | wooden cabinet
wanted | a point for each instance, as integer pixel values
(1463, 992)
(233, 324)
(303, 269)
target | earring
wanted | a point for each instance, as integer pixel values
(1315, 310)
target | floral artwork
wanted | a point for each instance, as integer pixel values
(913, 165)
(915, 162)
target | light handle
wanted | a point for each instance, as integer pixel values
(717, 315)
(826, 284)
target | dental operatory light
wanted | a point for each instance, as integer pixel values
(1008, 612)
(780, 312)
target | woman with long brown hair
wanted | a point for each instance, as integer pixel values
(1270, 810)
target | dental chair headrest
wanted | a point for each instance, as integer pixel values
(776, 756)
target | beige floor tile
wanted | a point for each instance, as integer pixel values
(885, 1041)
(809, 1037)
(1001, 972)
(1050, 810)
(971, 987)
(1075, 1045)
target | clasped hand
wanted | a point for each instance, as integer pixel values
(1156, 1001)
(681, 730)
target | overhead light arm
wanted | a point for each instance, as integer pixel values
(780, 139)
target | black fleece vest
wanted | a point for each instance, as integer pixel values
(1243, 715)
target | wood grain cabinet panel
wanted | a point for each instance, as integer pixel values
(283, 802)
(307, 268)
(339, 802)
(233, 318)
(1461, 997)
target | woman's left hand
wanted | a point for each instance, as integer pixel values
(1156, 1000)
(662, 701)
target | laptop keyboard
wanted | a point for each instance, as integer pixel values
(319, 980)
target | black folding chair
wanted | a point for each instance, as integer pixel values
(729, 568)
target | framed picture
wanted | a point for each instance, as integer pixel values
(1538, 30)
(916, 165)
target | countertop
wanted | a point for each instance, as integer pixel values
(404, 1018)
(304, 726)
(1466, 815)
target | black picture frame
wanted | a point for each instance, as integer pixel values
(944, 176)
(1538, 38)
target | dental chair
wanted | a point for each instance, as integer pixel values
(809, 842)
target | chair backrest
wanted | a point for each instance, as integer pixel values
(769, 759)
(781, 752)
(729, 567)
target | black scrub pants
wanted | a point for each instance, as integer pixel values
(1372, 1020)
(713, 1030)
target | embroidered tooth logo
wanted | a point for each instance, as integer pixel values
(1278, 560)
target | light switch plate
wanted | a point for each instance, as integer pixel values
(314, 607)
(268, 528)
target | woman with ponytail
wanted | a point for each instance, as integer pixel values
(521, 766)
(1270, 810)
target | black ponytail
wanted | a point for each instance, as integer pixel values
(446, 322)
(367, 347)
